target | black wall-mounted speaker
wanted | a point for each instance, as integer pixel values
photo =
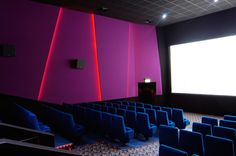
(7, 50)
(79, 64)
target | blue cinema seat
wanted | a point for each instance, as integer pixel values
(97, 120)
(191, 142)
(139, 104)
(168, 110)
(132, 103)
(156, 107)
(140, 109)
(217, 146)
(131, 119)
(123, 106)
(210, 120)
(162, 119)
(106, 123)
(230, 117)
(104, 108)
(152, 115)
(121, 112)
(28, 119)
(80, 114)
(131, 108)
(147, 106)
(225, 132)
(144, 126)
(178, 118)
(111, 110)
(165, 150)
(119, 130)
(204, 129)
(228, 123)
(169, 136)
(62, 122)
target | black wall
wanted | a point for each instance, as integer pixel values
(206, 27)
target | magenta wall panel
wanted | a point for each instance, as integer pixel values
(147, 62)
(74, 41)
(127, 53)
(112, 46)
(28, 26)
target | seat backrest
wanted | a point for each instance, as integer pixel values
(117, 125)
(131, 103)
(162, 118)
(224, 132)
(228, 123)
(178, 117)
(109, 104)
(140, 109)
(191, 142)
(131, 108)
(121, 112)
(152, 115)
(209, 120)
(98, 107)
(165, 150)
(147, 106)
(131, 118)
(104, 108)
(169, 136)
(116, 105)
(106, 122)
(26, 118)
(230, 117)
(143, 120)
(139, 104)
(156, 107)
(123, 106)
(168, 110)
(111, 110)
(217, 146)
(202, 128)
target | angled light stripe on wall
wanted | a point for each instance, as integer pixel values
(95, 51)
(51, 49)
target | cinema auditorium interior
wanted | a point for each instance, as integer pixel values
(118, 77)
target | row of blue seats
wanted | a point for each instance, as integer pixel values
(108, 124)
(156, 117)
(137, 121)
(197, 143)
(61, 122)
(173, 114)
(23, 117)
(199, 140)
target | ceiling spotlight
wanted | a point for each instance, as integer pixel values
(164, 16)
(216, 1)
(148, 21)
(104, 9)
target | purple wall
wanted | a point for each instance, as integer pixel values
(127, 53)
(28, 26)
(146, 52)
(74, 41)
(112, 47)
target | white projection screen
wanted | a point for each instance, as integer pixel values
(204, 67)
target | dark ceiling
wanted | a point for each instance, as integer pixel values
(147, 11)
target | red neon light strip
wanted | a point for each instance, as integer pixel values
(95, 50)
(128, 61)
(51, 49)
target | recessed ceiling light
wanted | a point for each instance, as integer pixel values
(148, 21)
(216, 1)
(104, 9)
(164, 16)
